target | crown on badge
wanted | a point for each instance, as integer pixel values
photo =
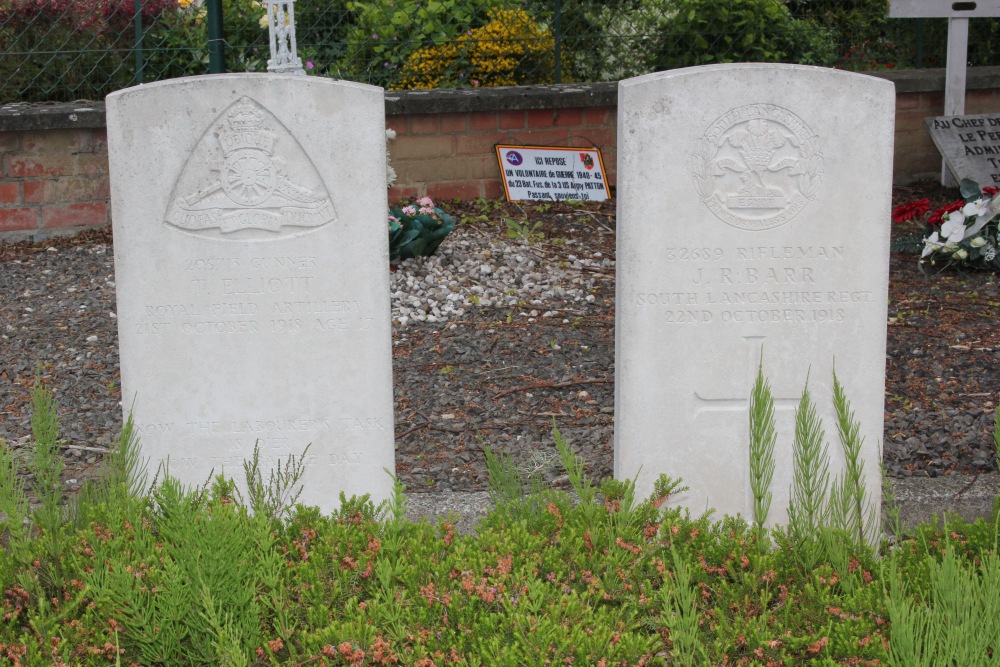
(244, 118)
(244, 129)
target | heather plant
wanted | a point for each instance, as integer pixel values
(597, 576)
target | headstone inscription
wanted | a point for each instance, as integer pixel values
(753, 213)
(251, 261)
(970, 145)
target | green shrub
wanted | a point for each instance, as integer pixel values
(322, 28)
(606, 40)
(386, 32)
(56, 50)
(722, 31)
(510, 50)
(70, 49)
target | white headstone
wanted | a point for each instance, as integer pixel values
(753, 223)
(251, 259)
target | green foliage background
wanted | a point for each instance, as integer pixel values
(71, 49)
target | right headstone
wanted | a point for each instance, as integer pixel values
(753, 227)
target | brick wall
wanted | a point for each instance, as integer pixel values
(53, 179)
(915, 155)
(54, 176)
(449, 155)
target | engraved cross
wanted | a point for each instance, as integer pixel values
(754, 346)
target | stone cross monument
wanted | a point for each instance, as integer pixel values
(281, 30)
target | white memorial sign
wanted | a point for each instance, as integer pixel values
(540, 173)
(252, 276)
(753, 225)
(956, 64)
(970, 145)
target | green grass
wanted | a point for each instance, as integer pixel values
(167, 575)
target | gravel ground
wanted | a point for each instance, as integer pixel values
(495, 338)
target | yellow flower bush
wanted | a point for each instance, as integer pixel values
(510, 50)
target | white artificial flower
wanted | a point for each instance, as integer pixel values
(981, 210)
(991, 254)
(977, 242)
(953, 230)
(977, 207)
(931, 245)
(961, 253)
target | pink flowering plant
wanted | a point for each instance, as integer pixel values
(416, 230)
(965, 235)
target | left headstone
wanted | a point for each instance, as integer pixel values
(251, 260)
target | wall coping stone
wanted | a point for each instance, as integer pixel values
(20, 116)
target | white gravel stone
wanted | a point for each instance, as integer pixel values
(471, 269)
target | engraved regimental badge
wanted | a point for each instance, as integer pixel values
(757, 166)
(234, 185)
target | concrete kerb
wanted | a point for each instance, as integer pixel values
(919, 500)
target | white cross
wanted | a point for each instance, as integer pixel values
(755, 346)
(281, 31)
(958, 15)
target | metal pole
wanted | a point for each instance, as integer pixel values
(216, 38)
(137, 49)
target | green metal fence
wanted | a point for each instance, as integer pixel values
(53, 50)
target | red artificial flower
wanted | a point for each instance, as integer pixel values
(938, 216)
(910, 210)
(990, 191)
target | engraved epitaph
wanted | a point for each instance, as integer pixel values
(753, 213)
(970, 145)
(252, 277)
